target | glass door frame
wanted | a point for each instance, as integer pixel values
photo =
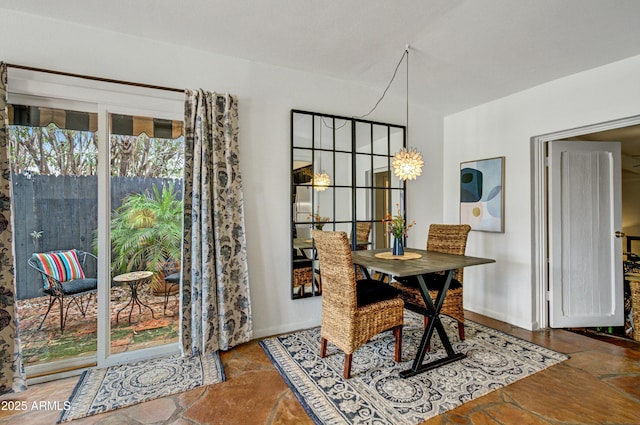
(104, 356)
(70, 366)
(104, 98)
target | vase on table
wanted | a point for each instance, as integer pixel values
(398, 247)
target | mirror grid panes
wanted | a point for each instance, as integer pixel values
(341, 180)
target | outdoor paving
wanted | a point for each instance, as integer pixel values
(79, 337)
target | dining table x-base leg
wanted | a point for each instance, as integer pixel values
(433, 313)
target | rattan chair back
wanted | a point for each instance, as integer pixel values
(338, 275)
(449, 239)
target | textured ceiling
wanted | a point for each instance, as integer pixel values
(464, 52)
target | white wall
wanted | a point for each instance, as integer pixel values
(266, 96)
(504, 128)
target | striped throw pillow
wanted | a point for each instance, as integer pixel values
(63, 266)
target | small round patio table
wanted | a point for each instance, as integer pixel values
(134, 280)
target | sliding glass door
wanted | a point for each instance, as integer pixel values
(145, 179)
(97, 194)
(53, 154)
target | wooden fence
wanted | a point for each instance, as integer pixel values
(65, 210)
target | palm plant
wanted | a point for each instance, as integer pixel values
(146, 232)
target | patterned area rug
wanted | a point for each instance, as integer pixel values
(102, 390)
(376, 394)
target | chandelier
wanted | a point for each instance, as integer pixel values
(407, 163)
(321, 181)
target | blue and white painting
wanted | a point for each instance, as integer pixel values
(482, 194)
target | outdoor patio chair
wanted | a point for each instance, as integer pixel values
(172, 277)
(64, 280)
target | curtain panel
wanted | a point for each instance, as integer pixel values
(216, 311)
(11, 370)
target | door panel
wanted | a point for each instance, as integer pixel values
(585, 257)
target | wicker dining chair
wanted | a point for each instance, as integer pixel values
(353, 311)
(302, 275)
(363, 230)
(450, 239)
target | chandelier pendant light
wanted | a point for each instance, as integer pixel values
(321, 181)
(407, 163)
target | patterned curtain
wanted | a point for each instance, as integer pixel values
(216, 313)
(11, 371)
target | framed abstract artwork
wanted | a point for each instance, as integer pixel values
(482, 194)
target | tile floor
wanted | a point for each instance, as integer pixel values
(600, 384)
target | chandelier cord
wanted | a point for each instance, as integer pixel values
(407, 163)
(405, 53)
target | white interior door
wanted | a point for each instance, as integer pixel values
(585, 256)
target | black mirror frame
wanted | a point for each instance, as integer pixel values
(305, 277)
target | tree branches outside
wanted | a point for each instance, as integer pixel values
(53, 151)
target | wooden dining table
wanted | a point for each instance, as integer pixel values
(419, 263)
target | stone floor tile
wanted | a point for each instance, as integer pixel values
(563, 393)
(158, 410)
(235, 401)
(628, 384)
(506, 413)
(249, 356)
(289, 411)
(602, 364)
(117, 417)
(187, 398)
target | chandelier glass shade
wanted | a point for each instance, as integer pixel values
(407, 164)
(321, 181)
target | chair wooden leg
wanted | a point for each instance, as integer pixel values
(397, 332)
(461, 330)
(323, 347)
(347, 365)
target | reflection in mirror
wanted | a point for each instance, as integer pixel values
(363, 170)
(381, 140)
(344, 203)
(323, 165)
(302, 131)
(355, 156)
(343, 135)
(343, 168)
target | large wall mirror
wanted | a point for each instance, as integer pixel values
(341, 180)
